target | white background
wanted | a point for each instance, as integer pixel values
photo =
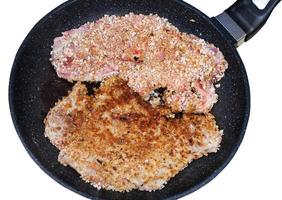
(254, 173)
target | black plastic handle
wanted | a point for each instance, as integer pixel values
(249, 17)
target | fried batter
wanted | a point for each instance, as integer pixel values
(119, 142)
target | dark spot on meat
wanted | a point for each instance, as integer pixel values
(178, 115)
(160, 90)
(162, 102)
(136, 58)
(127, 117)
(158, 94)
(120, 141)
(100, 161)
(91, 86)
(123, 118)
(191, 142)
(151, 34)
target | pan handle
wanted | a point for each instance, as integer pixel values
(244, 19)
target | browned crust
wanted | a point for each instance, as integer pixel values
(117, 141)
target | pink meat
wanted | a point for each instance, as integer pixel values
(148, 52)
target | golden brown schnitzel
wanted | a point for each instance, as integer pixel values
(117, 141)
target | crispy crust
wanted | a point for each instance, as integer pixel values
(117, 141)
(149, 53)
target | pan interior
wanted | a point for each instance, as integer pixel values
(35, 87)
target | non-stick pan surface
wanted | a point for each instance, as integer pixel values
(34, 89)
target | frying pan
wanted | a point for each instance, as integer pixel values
(34, 86)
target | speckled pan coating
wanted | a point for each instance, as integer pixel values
(35, 87)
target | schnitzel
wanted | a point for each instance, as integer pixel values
(117, 141)
(149, 53)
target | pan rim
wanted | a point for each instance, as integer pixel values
(61, 181)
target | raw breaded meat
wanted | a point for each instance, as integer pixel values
(118, 141)
(149, 53)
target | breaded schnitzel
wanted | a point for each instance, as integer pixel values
(149, 53)
(119, 142)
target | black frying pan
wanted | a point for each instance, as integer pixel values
(35, 87)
